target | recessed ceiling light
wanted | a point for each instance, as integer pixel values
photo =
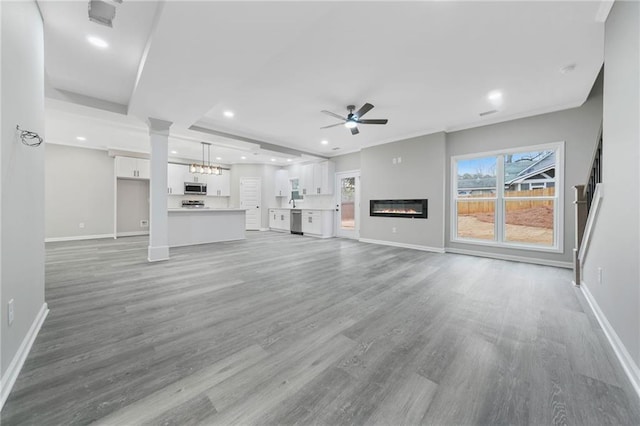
(289, 160)
(218, 158)
(174, 152)
(97, 42)
(81, 138)
(243, 158)
(324, 142)
(494, 96)
(229, 114)
(273, 159)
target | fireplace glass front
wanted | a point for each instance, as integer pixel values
(399, 208)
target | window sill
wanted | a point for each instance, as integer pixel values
(508, 245)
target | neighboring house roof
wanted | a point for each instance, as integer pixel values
(547, 162)
(477, 183)
(514, 172)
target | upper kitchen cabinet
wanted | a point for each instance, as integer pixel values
(282, 183)
(317, 178)
(306, 179)
(219, 185)
(175, 178)
(323, 174)
(132, 168)
(195, 177)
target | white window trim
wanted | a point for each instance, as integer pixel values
(558, 211)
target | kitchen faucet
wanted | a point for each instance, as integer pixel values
(294, 202)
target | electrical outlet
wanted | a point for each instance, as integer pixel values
(393, 230)
(599, 275)
(81, 225)
(10, 311)
(144, 223)
(399, 160)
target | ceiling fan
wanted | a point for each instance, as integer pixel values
(352, 120)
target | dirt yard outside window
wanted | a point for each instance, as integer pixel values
(533, 226)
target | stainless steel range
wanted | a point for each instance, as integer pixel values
(193, 204)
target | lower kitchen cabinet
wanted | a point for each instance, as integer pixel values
(317, 223)
(280, 219)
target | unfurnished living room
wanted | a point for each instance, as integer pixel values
(320, 212)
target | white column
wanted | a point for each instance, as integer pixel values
(158, 216)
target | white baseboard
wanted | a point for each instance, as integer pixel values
(628, 365)
(264, 229)
(78, 238)
(10, 376)
(403, 245)
(522, 259)
(132, 234)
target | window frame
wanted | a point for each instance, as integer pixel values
(500, 200)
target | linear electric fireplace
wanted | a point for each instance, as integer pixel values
(399, 208)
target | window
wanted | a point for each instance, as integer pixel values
(509, 198)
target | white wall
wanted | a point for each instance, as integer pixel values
(347, 162)
(615, 246)
(22, 183)
(420, 174)
(577, 127)
(79, 188)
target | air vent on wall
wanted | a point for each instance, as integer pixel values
(493, 111)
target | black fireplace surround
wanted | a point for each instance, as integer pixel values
(414, 209)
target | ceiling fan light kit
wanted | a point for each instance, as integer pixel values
(352, 120)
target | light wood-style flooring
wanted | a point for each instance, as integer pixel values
(283, 329)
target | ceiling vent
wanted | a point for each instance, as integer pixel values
(493, 111)
(102, 12)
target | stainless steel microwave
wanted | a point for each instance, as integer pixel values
(195, 188)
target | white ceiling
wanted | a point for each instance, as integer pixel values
(426, 66)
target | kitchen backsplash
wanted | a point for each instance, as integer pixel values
(309, 202)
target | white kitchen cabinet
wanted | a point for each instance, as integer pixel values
(175, 178)
(280, 219)
(282, 183)
(323, 174)
(318, 223)
(196, 177)
(306, 179)
(219, 185)
(317, 178)
(132, 168)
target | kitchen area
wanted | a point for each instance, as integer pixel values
(201, 208)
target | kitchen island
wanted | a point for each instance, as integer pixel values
(190, 226)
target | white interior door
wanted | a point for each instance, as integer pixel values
(251, 200)
(348, 204)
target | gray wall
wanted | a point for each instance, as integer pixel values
(347, 162)
(132, 206)
(419, 175)
(79, 188)
(22, 171)
(615, 246)
(577, 127)
(267, 173)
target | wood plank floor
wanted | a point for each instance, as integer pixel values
(283, 329)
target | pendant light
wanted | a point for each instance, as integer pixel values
(206, 169)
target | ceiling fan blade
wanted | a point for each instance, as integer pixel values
(354, 131)
(363, 110)
(374, 121)
(333, 125)
(333, 115)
